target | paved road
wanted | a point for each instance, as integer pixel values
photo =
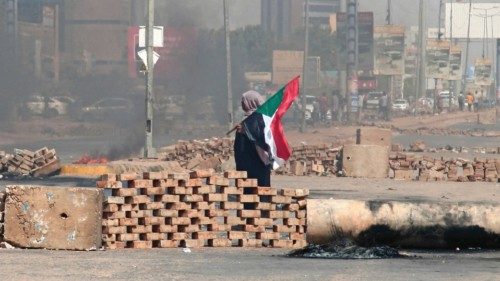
(239, 264)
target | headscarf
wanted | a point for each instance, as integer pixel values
(250, 101)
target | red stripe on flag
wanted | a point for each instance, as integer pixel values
(290, 93)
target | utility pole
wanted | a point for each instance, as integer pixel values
(56, 61)
(149, 151)
(467, 49)
(436, 80)
(422, 83)
(11, 24)
(352, 58)
(389, 8)
(230, 113)
(451, 82)
(304, 66)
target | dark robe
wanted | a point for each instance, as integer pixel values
(245, 152)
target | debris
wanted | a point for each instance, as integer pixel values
(24, 162)
(345, 249)
(186, 250)
(418, 146)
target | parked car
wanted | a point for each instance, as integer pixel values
(107, 108)
(48, 106)
(400, 105)
(372, 100)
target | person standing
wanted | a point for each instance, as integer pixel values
(323, 107)
(335, 107)
(382, 103)
(461, 102)
(476, 102)
(251, 152)
(470, 101)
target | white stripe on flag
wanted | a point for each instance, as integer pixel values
(268, 136)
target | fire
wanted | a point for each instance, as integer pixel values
(87, 159)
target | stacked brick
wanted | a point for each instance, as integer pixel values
(2, 215)
(407, 166)
(200, 209)
(312, 160)
(185, 151)
(26, 162)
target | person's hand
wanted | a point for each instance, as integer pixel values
(239, 128)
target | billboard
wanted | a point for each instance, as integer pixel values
(286, 65)
(455, 62)
(482, 72)
(437, 59)
(365, 42)
(389, 50)
(460, 20)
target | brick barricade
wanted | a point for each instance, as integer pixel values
(200, 209)
(408, 166)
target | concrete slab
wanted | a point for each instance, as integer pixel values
(53, 217)
(366, 161)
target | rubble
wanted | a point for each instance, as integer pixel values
(418, 146)
(200, 209)
(24, 162)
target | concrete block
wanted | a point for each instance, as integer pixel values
(53, 217)
(374, 136)
(366, 161)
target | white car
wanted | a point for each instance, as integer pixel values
(400, 105)
(35, 105)
(58, 105)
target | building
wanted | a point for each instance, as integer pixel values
(283, 17)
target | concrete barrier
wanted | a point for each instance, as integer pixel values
(404, 224)
(374, 136)
(366, 161)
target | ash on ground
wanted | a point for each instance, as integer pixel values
(345, 249)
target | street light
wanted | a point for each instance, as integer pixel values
(485, 27)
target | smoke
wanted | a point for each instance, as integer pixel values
(128, 146)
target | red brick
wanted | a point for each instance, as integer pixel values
(278, 199)
(108, 177)
(110, 208)
(206, 189)
(232, 190)
(235, 174)
(114, 229)
(302, 204)
(265, 206)
(219, 227)
(179, 221)
(155, 190)
(234, 221)
(110, 222)
(140, 229)
(205, 221)
(142, 244)
(168, 228)
(167, 198)
(188, 228)
(155, 205)
(231, 206)
(263, 191)
(204, 206)
(291, 221)
(219, 243)
(281, 243)
(192, 243)
(140, 183)
(301, 214)
(284, 228)
(255, 243)
(166, 213)
(169, 244)
(202, 173)
(114, 200)
(204, 235)
(249, 213)
(154, 175)
(297, 236)
(217, 213)
(179, 190)
(249, 198)
(267, 235)
(246, 183)
(292, 192)
(299, 244)
(127, 237)
(125, 192)
(191, 198)
(178, 206)
(237, 235)
(154, 236)
(279, 214)
(168, 182)
(114, 215)
(190, 213)
(109, 184)
(129, 207)
(217, 180)
(154, 221)
(194, 182)
(138, 199)
(292, 207)
(127, 176)
(140, 214)
(255, 228)
(114, 245)
(180, 236)
(129, 221)
(178, 176)
(215, 197)
(261, 221)
(108, 237)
